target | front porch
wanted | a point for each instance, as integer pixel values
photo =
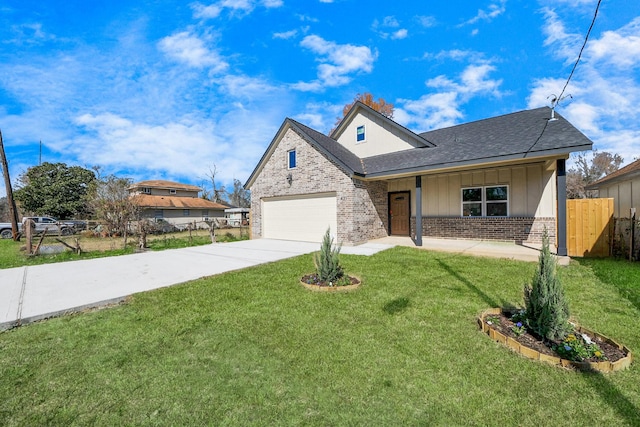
(492, 249)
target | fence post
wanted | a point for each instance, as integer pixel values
(632, 234)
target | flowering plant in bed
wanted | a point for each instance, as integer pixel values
(542, 329)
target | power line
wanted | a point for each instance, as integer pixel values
(593, 21)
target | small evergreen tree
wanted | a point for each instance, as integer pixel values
(327, 260)
(547, 310)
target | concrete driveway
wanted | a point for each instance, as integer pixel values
(28, 294)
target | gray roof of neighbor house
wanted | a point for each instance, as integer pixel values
(520, 135)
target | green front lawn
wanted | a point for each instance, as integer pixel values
(12, 253)
(255, 348)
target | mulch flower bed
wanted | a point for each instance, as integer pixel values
(506, 327)
(313, 279)
(346, 283)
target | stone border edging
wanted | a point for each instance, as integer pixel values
(604, 366)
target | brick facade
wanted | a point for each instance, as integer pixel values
(514, 229)
(361, 206)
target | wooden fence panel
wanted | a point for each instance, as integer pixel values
(589, 227)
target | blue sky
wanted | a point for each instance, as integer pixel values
(166, 89)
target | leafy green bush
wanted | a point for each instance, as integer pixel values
(327, 260)
(547, 310)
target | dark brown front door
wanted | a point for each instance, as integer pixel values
(399, 212)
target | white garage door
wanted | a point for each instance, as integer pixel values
(301, 218)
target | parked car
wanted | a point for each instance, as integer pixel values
(50, 225)
(40, 224)
(6, 232)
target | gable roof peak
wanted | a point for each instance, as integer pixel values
(358, 106)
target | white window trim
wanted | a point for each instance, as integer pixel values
(172, 191)
(484, 200)
(364, 128)
(289, 159)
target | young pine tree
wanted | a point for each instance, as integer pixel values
(547, 310)
(327, 260)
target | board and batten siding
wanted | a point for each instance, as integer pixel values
(531, 190)
(626, 195)
(380, 137)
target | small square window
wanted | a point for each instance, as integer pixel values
(146, 190)
(172, 191)
(360, 136)
(185, 212)
(292, 159)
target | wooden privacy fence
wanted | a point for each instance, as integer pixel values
(589, 227)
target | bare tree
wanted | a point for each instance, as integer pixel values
(588, 169)
(240, 197)
(217, 193)
(114, 205)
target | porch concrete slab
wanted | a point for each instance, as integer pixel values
(493, 249)
(36, 292)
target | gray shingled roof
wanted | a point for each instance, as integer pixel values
(331, 148)
(518, 135)
(525, 134)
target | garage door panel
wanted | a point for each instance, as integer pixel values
(304, 219)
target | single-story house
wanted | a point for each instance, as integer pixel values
(174, 202)
(623, 186)
(501, 178)
(237, 216)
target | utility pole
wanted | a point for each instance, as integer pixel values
(7, 182)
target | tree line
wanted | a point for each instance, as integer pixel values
(67, 192)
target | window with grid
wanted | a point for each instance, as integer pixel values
(485, 201)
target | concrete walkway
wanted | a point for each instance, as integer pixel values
(528, 252)
(28, 294)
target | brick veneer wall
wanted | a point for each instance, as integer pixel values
(517, 229)
(359, 206)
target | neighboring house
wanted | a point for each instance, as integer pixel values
(501, 178)
(176, 203)
(237, 216)
(623, 186)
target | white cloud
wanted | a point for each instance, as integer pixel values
(272, 3)
(456, 55)
(427, 21)
(604, 93)
(243, 87)
(285, 35)
(389, 22)
(494, 10)
(444, 107)
(191, 49)
(337, 62)
(618, 48)
(400, 34)
(235, 7)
